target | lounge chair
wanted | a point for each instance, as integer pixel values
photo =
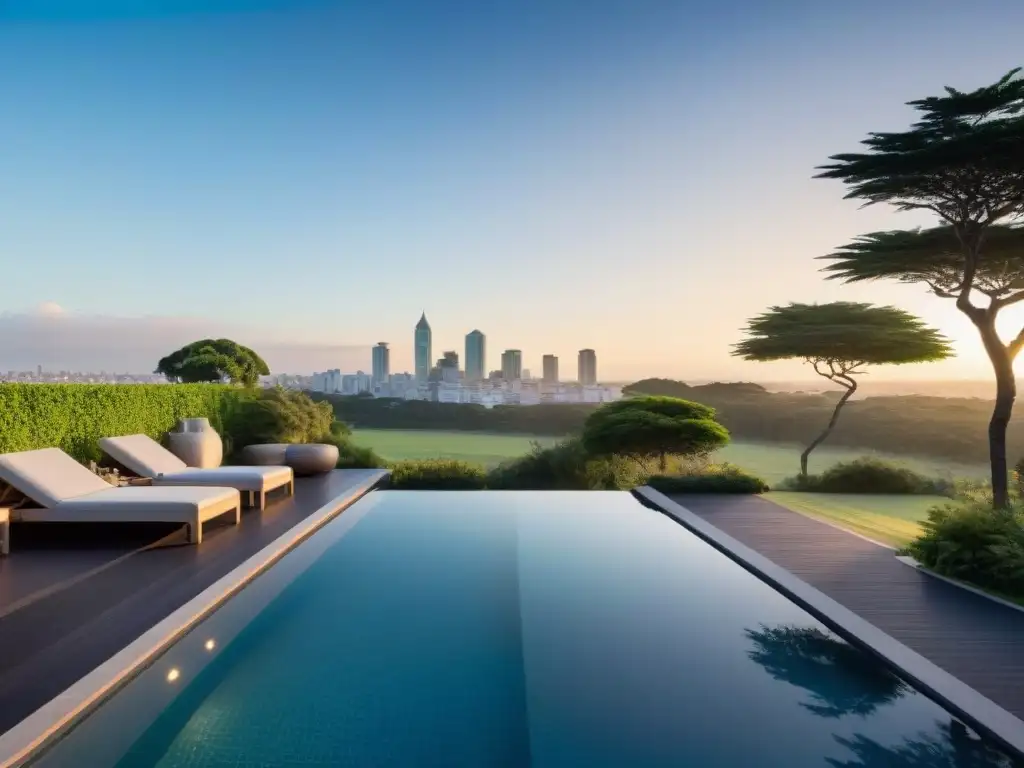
(145, 457)
(70, 493)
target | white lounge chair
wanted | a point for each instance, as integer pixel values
(147, 458)
(70, 493)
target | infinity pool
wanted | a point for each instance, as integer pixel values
(514, 629)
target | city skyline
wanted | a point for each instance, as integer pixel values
(372, 156)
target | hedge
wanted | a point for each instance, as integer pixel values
(74, 416)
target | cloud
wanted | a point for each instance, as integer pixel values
(59, 340)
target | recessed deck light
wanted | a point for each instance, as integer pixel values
(210, 644)
(173, 674)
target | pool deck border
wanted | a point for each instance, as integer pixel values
(21, 742)
(978, 711)
(913, 563)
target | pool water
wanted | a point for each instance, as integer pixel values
(537, 629)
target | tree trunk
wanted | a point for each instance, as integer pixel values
(831, 424)
(1006, 394)
(662, 463)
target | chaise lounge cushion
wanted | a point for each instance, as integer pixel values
(242, 478)
(141, 503)
(49, 476)
(147, 458)
(142, 455)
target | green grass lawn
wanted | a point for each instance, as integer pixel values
(481, 447)
(893, 520)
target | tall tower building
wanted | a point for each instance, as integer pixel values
(422, 347)
(476, 356)
(588, 367)
(512, 364)
(550, 375)
(381, 362)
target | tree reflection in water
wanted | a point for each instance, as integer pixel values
(842, 679)
(954, 746)
(846, 681)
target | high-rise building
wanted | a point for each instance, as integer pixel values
(381, 363)
(550, 375)
(448, 366)
(422, 347)
(476, 356)
(588, 367)
(512, 365)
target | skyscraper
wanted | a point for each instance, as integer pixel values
(381, 362)
(448, 367)
(476, 356)
(512, 365)
(550, 369)
(588, 367)
(422, 347)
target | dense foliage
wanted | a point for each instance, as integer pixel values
(565, 466)
(971, 542)
(963, 161)
(437, 475)
(214, 360)
(947, 428)
(714, 478)
(642, 428)
(869, 475)
(281, 416)
(74, 417)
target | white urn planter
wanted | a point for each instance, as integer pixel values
(196, 443)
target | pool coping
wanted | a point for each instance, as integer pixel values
(959, 698)
(913, 563)
(21, 742)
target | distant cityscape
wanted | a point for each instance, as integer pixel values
(445, 380)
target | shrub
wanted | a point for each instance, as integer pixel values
(280, 416)
(972, 542)
(437, 475)
(716, 478)
(74, 417)
(868, 475)
(565, 466)
(352, 456)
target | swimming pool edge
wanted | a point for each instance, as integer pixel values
(978, 711)
(21, 743)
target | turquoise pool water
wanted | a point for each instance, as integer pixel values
(520, 629)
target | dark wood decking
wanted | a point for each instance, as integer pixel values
(70, 602)
(975, 639)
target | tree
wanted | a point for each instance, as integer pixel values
(839, 340)
(643, 428)
(213, 360)
(963, 160)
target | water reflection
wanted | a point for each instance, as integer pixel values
(953, 746)
(842, 679)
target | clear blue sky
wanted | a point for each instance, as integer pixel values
(627, 175)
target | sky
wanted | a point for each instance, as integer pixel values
(632, 176)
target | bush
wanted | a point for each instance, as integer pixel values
(716, 478)
(565, 466)
(868, 475)
(281, 416)
(437, 475)
(352, 456)
(972, 542)
(74, 417)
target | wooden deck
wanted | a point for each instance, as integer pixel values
(975, 639)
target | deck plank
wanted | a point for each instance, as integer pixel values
(977, 640)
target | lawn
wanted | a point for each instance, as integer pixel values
(773, 462)
(892, 520)
(481, 447)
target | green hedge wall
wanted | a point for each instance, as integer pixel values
(74, 416)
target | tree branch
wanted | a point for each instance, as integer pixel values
(1015, 346)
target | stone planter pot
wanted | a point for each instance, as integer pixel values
(265, 455)
(311, 458)
(196, 443)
